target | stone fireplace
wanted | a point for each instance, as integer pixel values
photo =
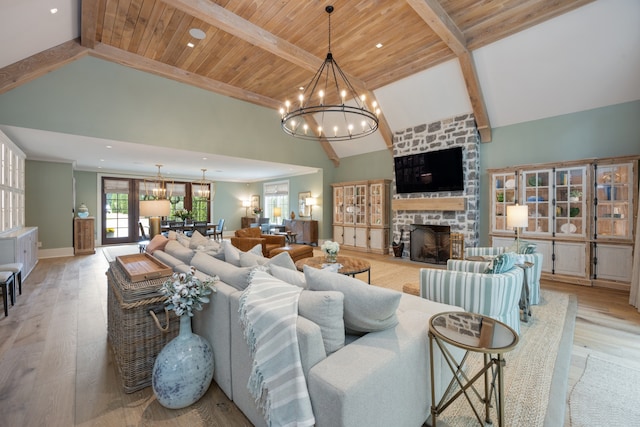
(457, 210)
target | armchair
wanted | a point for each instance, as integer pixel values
(247, 238)
(463, 284)
(533, 274)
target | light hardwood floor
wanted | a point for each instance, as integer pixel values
(56, 368)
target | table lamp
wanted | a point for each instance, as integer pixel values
(277, 212)
(246, 204)
(311, 202)
(154, 209)
(517, 216)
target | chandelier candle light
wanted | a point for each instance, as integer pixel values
(323, 106)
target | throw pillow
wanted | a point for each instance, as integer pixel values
(172, 235)
(294, 277)
(157, 244)
(230, 274)
(325, 308)
(366, 308)
(502, 263)
(232, 254)
(176, 250)
(197, 239)
(248, 259)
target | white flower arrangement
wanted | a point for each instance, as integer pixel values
(185, 292)
(330, 248)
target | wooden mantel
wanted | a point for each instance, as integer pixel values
(430, 204)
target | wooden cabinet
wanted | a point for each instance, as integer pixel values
(84, 236)
(306, 230)
(246, 221)
(20, 246)
(361, 215)
(580, 216)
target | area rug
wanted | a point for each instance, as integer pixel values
(605, 395)
(536, 371)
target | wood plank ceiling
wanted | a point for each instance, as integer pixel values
(261, 51)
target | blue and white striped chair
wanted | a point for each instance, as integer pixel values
(533, 274)
(493, 295)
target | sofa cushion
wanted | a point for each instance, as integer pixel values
(294, 277)
(366, 308)
(326, 309)
(169, 260)
(183, 239)
(175, 249)
(502, 263)
(157, 243)
(249, 232)
(232, 254)
(238, 277)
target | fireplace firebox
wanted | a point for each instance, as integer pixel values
(430, 243)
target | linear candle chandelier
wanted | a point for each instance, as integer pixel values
(324, 101)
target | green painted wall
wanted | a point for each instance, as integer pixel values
(49, 202)
(375, 165)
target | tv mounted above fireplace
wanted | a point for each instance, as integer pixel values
(431, 171)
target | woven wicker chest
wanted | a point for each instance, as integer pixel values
(135, 338)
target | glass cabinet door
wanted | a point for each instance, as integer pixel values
(536, 192)
(614, 201)
(338, 205)
(349, 205)
(570, 208)
(360, 204)
(376, 195)
(503, 193)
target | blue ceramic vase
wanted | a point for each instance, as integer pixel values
(183, 370)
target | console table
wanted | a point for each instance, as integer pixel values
(306, 230)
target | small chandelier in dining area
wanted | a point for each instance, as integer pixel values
(202, 188)
(329, 107)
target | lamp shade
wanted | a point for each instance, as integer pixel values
(277, 211)
(246, 203)
(310, 201)
(517, 216)
(150, 208)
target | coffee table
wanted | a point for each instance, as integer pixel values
(474, 333)
(350, 265)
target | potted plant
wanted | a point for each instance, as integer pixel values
(110, 231)
(574, 195)
(330, 250)
(183, 214)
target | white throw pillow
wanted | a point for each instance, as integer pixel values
(294, 277)
(367, 308)
(325, 308)
(232, 254)
(228, 273)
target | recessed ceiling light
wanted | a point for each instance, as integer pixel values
(190, 44)
(197, 33)
(379, 45)
(109, 146)
(204, 158)
(54, 10)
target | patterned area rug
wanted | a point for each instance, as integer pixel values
(536, 371)
(605, 395)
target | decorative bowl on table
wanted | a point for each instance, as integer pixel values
(573, 212)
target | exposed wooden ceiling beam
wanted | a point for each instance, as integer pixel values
(231, 23)
(142, 63)
(37, 65)
(441, 23)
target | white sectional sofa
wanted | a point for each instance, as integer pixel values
(376, 378)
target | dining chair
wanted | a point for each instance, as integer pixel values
(219, 229)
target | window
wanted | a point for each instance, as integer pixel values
(276, 195)
(116, 208)
(11, 185)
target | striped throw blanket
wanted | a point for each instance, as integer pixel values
(268, 313)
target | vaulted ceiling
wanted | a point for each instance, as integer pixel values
(261, 51)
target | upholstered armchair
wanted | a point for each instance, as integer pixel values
(247, 238)
(464, 284)
(533, 274)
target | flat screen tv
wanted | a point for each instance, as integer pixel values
(430, 171)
